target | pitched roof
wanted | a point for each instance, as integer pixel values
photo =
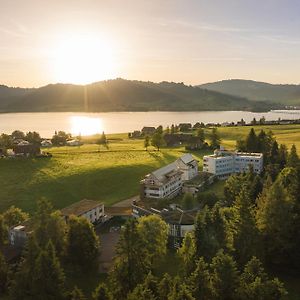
(80, 207)
(162, 172)
(187, 158)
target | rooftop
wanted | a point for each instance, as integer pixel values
(80, 207)
(218, 154)
(172, 168)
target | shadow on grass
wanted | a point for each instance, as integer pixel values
(108, 185)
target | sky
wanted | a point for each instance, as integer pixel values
(190, 41)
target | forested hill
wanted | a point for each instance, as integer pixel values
(287, 94)
(123, 95)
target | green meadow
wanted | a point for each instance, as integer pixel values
(112, 175)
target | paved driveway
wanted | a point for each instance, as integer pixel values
(108, 242)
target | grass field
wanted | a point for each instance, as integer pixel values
(109, 175)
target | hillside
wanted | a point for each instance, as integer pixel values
(124, 95)
(286, 94)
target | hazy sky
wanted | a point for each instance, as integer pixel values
(193, 41)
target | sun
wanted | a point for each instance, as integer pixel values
(83, 59)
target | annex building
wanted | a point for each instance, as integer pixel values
(167, 181)
(224, 163)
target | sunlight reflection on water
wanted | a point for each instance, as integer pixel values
(81, 125)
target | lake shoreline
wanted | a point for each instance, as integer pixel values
(46, 123)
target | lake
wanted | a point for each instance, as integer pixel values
(119, 122)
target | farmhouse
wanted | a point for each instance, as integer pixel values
(26, 148)
(148, 131)
(46, 143)
(167, 181)
(74, 142)
(92, 210)
(223, 163)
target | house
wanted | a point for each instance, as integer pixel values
(18, 234)
(177, 139)
(179, 222)
(92, 210)
(26, 148)
(166, 182)
(185, 126)
(148, 131)
(46, 144)
(74, 143)
(224, 163)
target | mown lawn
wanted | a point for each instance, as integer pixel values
(112, 175)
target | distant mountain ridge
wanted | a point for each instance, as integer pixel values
(122, 95)
(287, 94)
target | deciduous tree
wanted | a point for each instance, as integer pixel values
(154, 232)
(82, 242)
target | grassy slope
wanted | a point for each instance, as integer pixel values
(108, 176)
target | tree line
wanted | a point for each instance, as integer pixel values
(157, 139)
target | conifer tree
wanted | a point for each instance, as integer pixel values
(132, 262)
(102, 293)
(241, 230)
(187, 253)
(275, 215)
(255, 284)
(165, 287)
(209, 232)
(49, 225)
(199, 281)
(77, 294)
(224, 276)
(293, 158)
(282, 155)
(48, 280)
(251, 141)
(180, 291)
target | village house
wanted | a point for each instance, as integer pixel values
(167, 181)
(26, 148)
(92, 210)
(148, 131)
(46, 144)
(185, 126)
(224, 163)
(74, 143)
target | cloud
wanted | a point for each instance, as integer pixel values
(280, 39)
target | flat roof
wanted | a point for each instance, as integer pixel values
(80, 207)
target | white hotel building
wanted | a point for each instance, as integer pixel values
(225, 163)
(167, 182)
